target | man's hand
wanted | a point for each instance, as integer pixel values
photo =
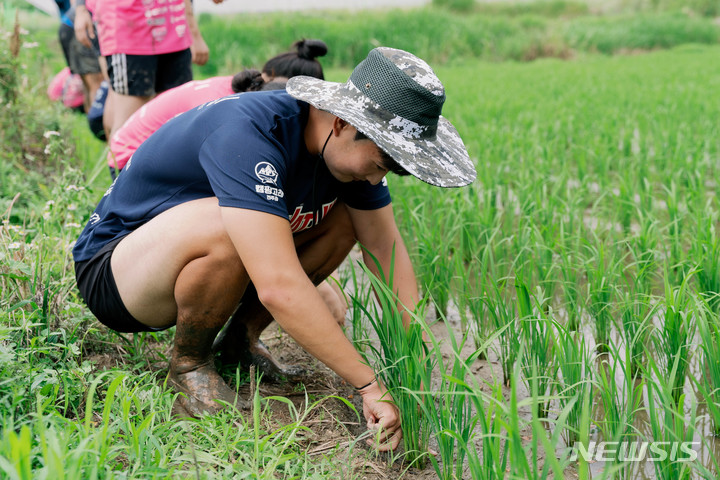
(383, 418)
(84, 30)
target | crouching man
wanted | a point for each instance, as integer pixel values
(241, 205)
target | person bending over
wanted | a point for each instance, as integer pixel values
(239, 206)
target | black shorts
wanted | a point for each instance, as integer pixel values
(81, 59)
(97, 287)
(146, 75)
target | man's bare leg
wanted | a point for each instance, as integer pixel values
(320, 250)
(182, 268)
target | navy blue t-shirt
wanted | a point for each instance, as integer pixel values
(246, 149)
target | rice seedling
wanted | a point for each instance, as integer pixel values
(490, 410)
(473, 314)
(402, 362)
(437, 238)
(670, 425)
(707, 254)
(673, 339)
(524, 459)
(504, 320)
(571, 282)
(450, 416)
(636, 322)
(538, 363)
(619, 401)
(574, 381)
(708, 382)
(601, 275)
(643, 250)
(361, 295)
(676, 213)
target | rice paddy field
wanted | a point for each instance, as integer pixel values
(570, 325)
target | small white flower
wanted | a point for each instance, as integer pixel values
(49, 202)
(46, 215)
(14, 246)
(72, 225)
(73, 188)
(72, 207)
(47, 150)
(51, 133)
(30, 44)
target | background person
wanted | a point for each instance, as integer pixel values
(148, 47)
(252, 199)
(81, 59)
(151, 116)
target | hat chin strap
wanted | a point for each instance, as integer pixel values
(322, 152)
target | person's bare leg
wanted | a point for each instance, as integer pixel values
(182, 268)
(334, 297)
(92, 82)
(123, 107)
(320, 250)
(108, 109)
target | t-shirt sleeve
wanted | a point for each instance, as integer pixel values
(365, 196)
(245, 170)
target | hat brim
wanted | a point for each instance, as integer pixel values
(442, 160)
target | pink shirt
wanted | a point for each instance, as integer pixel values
(141, 27)
(159, 110)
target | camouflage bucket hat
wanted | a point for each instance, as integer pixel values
(395, 99)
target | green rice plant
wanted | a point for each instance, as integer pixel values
(636, 322)
(450, 416)
(472, 310)
(490, 410)
(360, 296)
(437, 240)
(707, 254)
(505, 323)
(676, 212)
(402, 361)
(523, 458)
(674, 337)
(574, 381)
(601, 273)
(571, 282)
(619, 400)
(669, 420)
(708, 382)
(643, 247)
(476, 257)
(538, 355)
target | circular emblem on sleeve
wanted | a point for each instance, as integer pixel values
(266, 173)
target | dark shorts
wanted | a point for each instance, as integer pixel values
(146, 75)
(97, 287)
(81, 59)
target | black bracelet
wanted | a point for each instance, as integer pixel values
(365, 386)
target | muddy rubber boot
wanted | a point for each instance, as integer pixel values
(235, 348)
(202, 390)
